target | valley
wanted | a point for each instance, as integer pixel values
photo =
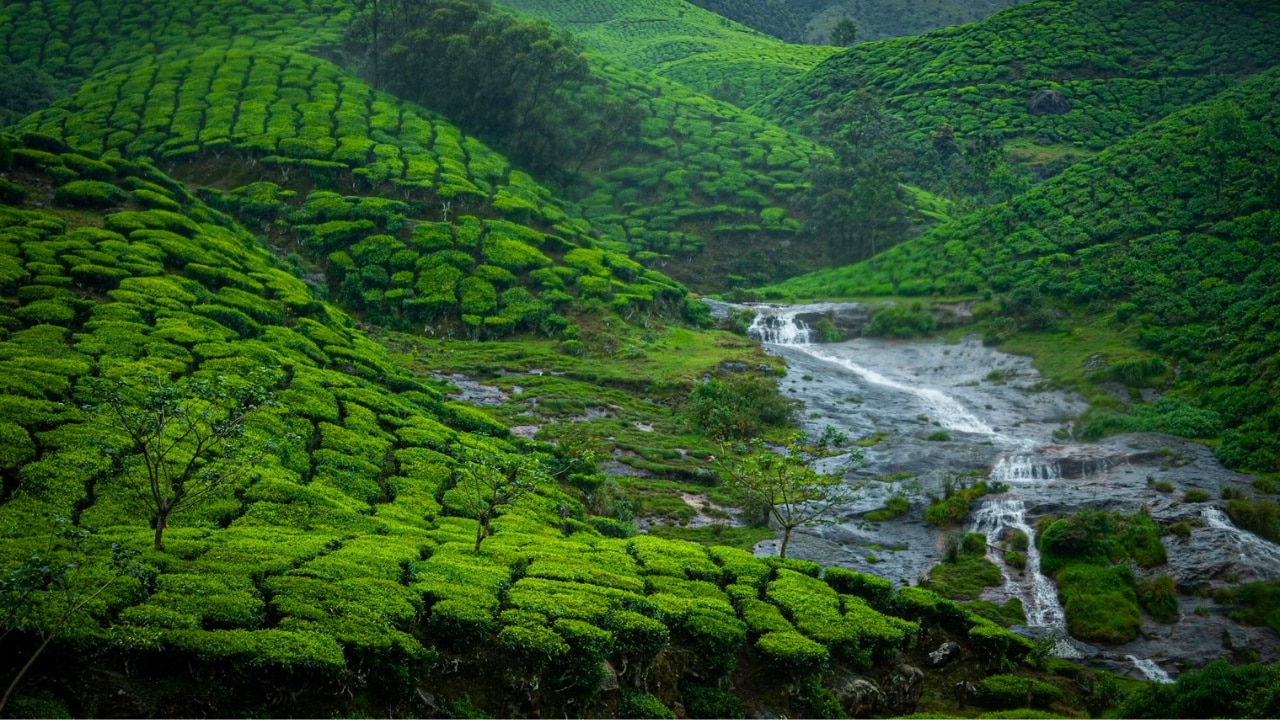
(639, 358)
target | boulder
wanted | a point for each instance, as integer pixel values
(945, 653)
(906, 684)
(859, 697)
(1048, 102)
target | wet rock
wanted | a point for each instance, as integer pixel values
(1048, 102)
(945, 653)
(729, 367)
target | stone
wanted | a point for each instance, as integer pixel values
(945, 653)
(1048, 102)
(610, 682)
(859, 697)
(905, 686)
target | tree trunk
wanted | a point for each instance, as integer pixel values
(482, 529)
(786, 538)
(161, 523)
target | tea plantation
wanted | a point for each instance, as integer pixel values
(1119, 65)
(682, 42)
(339, 571)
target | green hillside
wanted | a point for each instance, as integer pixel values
(1120, 64)
(881, 19)
(341, 553)
(1165, 242)
(682, 42)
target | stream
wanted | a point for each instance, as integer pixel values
(950, 411)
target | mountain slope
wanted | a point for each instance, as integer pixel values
(1170, 236)
(680, 41)
(1118, 64)
(344, 570)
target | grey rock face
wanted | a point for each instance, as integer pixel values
(1048, 102)
(1002, 422)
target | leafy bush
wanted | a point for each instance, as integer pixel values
(707, 701)
(90, 194)
(1011, 691)
(642, 705)
(900, 321)
(791, 652)
(739, 406)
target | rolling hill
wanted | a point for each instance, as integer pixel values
(682, 42)
(1116, 66)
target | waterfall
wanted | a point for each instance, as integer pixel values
(780, 329)
(1038, 594)
(1154, 672)
(1246, 543)
(1022, 468)
(783, 327)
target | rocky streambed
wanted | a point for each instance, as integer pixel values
(944, 411)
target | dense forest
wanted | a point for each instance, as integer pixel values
(356, 360)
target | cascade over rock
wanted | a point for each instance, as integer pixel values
(912, 394)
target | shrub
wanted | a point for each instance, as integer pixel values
(1011, 691)
(533, 646)
(791, 652)
(460, 622)
(900, 321)
(642, 705)
(875, 590)
(1159, 597)
(739, 406)
(12, 193)
(638, 637)
(90, 194)
(707, 701)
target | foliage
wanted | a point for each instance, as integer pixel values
(183, 442)
(739, 406)
(1179, 260)
(1216, 690)
(794, 493)
(900, 321)
(1011, 691)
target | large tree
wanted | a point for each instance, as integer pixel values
(177, 444)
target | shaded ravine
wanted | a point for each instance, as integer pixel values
(949, 410)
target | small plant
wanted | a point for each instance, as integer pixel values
(938, 436)
(1195, 495)
(1162, 486)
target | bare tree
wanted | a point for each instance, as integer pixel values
(184, 440)
(800, 485)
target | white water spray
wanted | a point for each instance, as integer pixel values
(1151, 670)
(1246, 543)
(1038, 594)
(1024, 468)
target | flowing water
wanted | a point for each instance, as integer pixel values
(945, 411)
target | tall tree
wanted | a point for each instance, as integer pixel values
(183, 442)
(845, 33)
(856, 198)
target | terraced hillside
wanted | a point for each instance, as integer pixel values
(1164, 243)
(1119, 65)
(701, 180)
(682, 42)
(343, 562)
(882, 19)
